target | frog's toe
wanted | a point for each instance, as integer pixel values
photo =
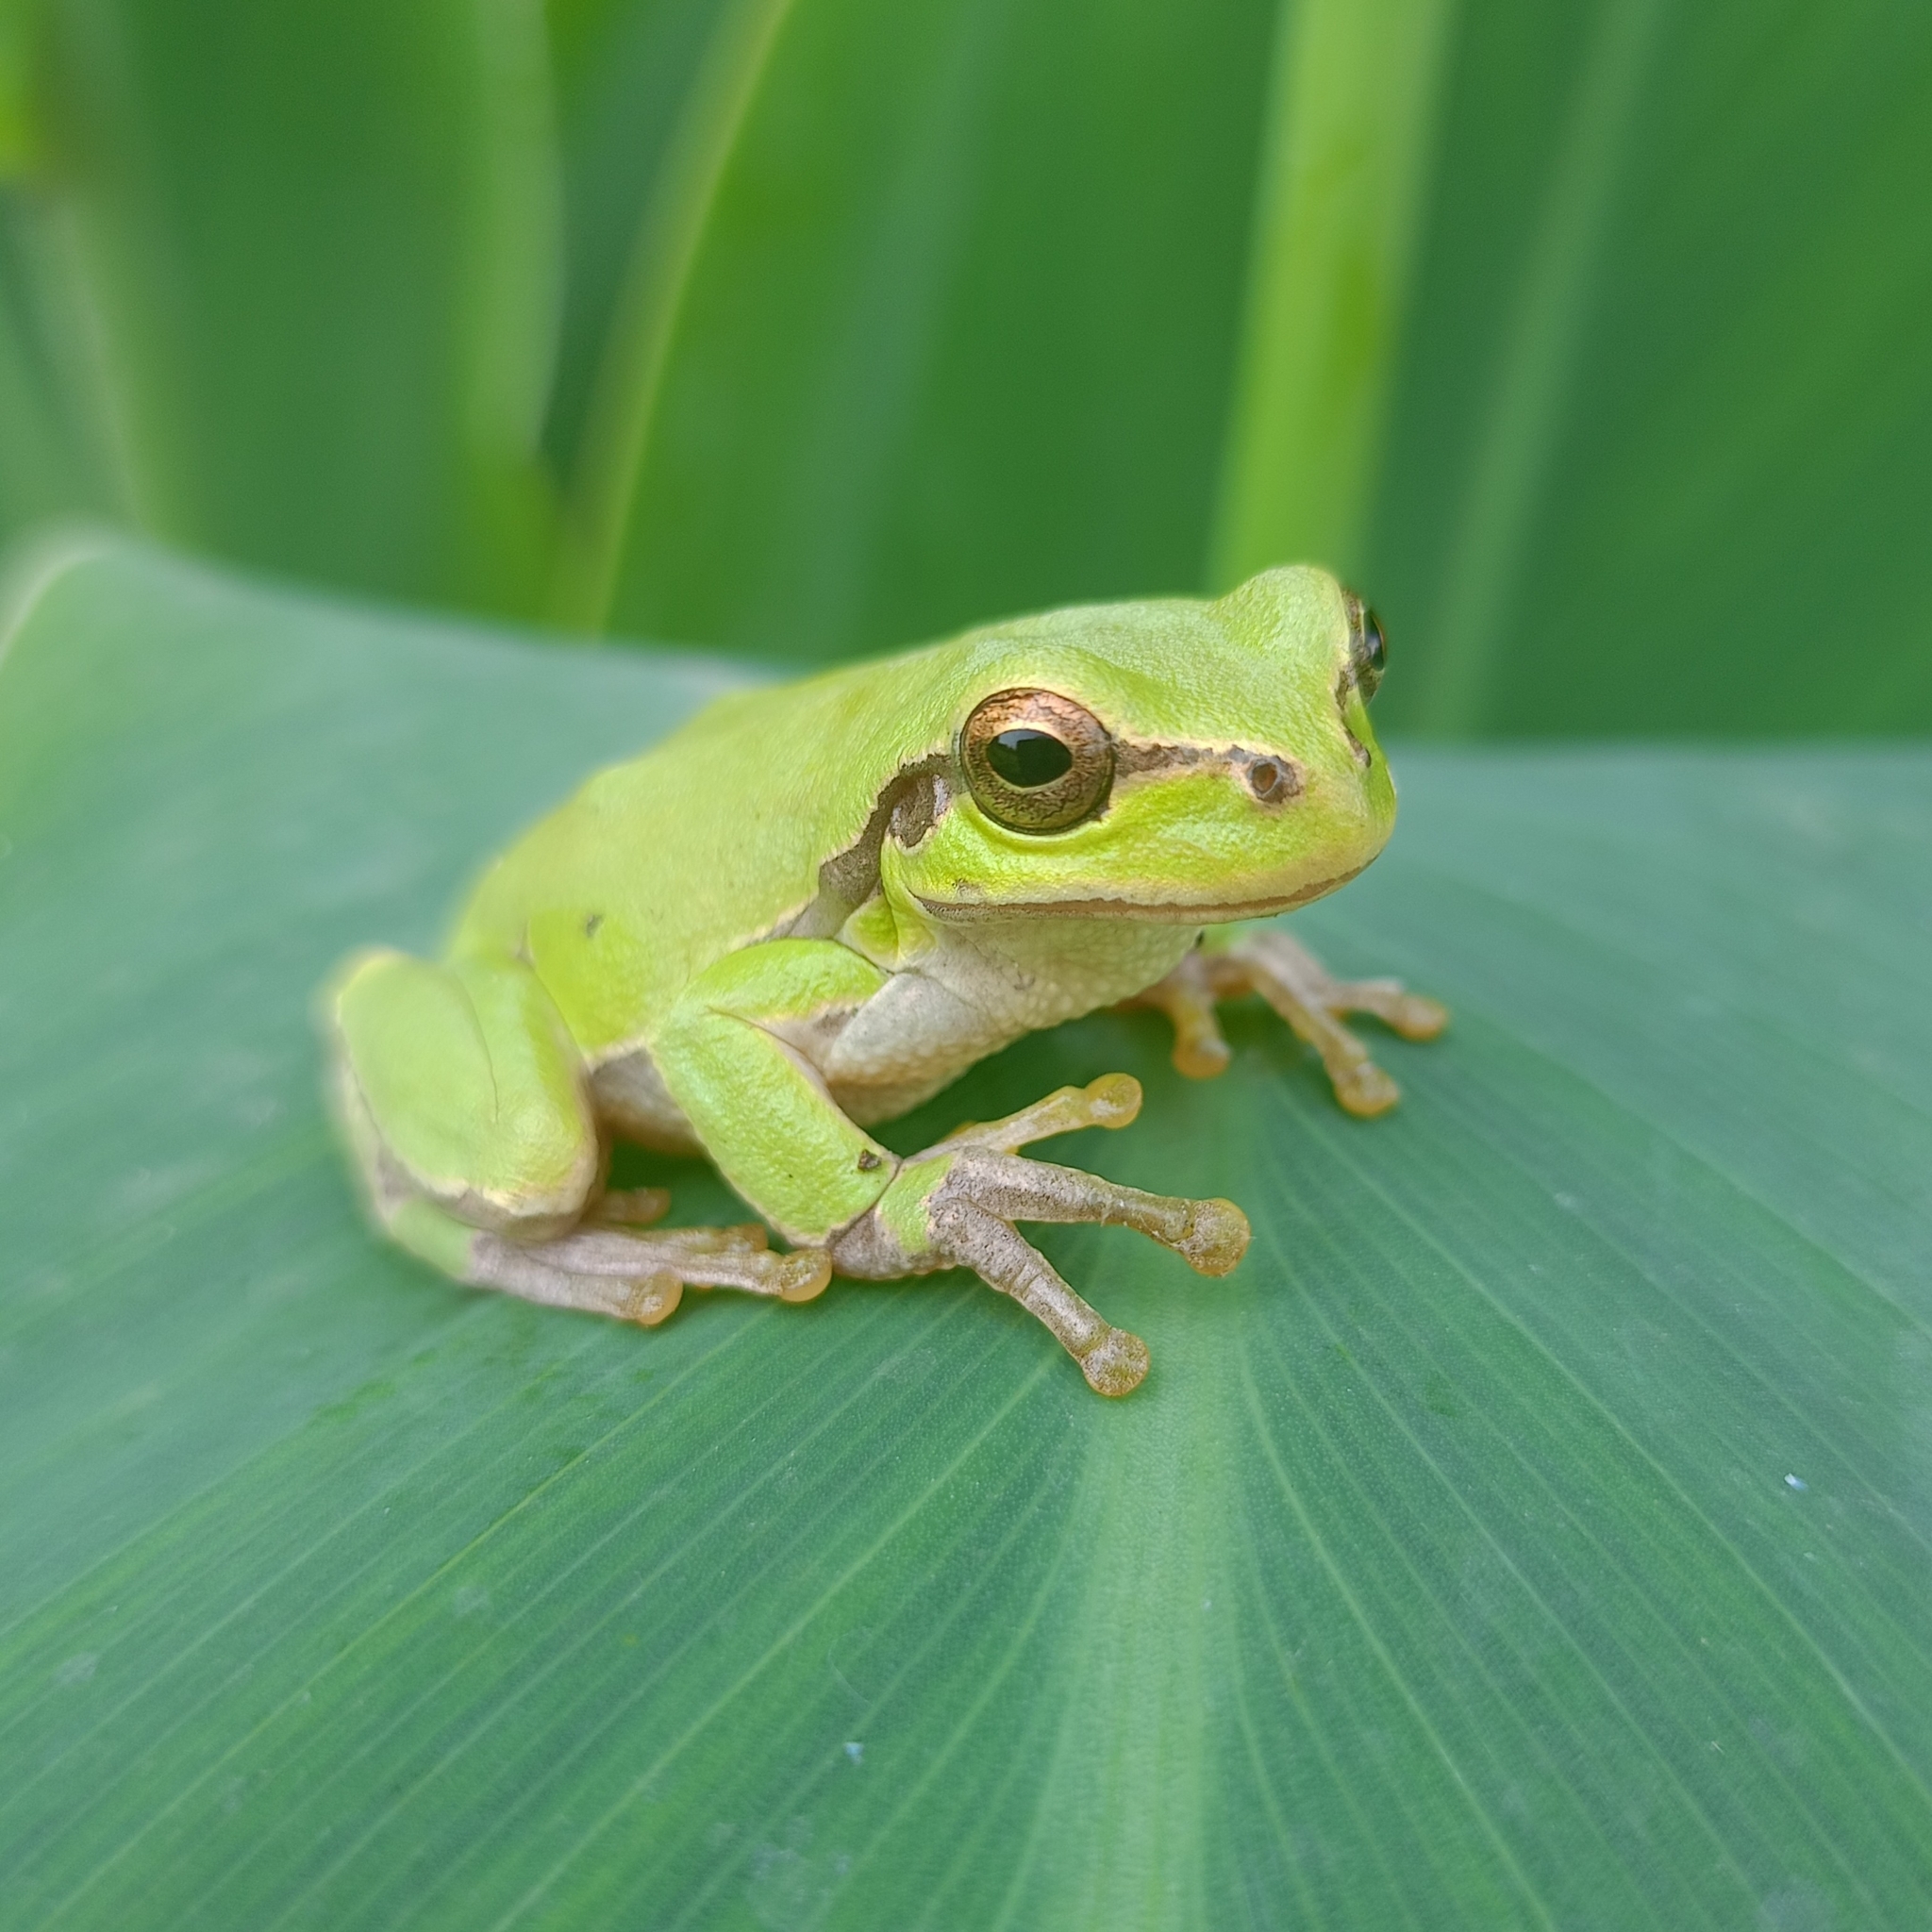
(1363, 1089)
(974, 1236)
(1117, 1364)
(1313, 1003)
(803, 1274)
(1415, 1016)
(655, 1299)
(970, 1218)
(1201, 1055)
(1210, 1235)
(1111, 1101)
(1214, 1238)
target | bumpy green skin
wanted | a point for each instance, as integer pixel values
(700, 950)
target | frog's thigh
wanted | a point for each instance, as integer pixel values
(734, 1055)
(462, 1092)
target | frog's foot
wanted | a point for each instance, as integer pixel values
(1210, 1235)
(970, 1217)
(982, 1187)
(642, 1278)
(1301, 991)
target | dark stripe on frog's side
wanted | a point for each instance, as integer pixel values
(911, 804)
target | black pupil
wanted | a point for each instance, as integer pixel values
(1029, 758)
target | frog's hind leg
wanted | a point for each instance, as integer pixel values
(462, 1095)
(1306, 995)
(459, 1086)
(973, 1186)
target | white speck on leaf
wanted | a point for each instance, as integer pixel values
(79, 1668)
(1796, 1482)
(856, 1751)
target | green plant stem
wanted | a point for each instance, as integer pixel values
(1344, 170)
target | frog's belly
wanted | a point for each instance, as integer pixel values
(924, 1027)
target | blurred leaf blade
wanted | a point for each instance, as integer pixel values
(628, 380)
(1539, 363)
(322, 243)
(624, 73)
(957, 331)
(57, 443)
(1634, 474)
(1535, 1530)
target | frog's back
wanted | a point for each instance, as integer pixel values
(714, 838)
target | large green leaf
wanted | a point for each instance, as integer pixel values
(1535, 1531)
(320, 240)
(1590, 338)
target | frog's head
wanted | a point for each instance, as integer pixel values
(1175, 761)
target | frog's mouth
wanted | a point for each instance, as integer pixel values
(1159, 911)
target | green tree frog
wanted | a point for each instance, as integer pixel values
(814, 906)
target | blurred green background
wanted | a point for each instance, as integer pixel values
(1590, 340)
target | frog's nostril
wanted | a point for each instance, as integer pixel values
(1272, 779)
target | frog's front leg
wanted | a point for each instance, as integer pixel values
(1234, 960)
(735, 1057)
(463, 1097)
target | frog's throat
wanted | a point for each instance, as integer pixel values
(1163, 912)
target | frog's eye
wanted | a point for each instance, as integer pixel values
(1368, 652)
(1036, 761)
